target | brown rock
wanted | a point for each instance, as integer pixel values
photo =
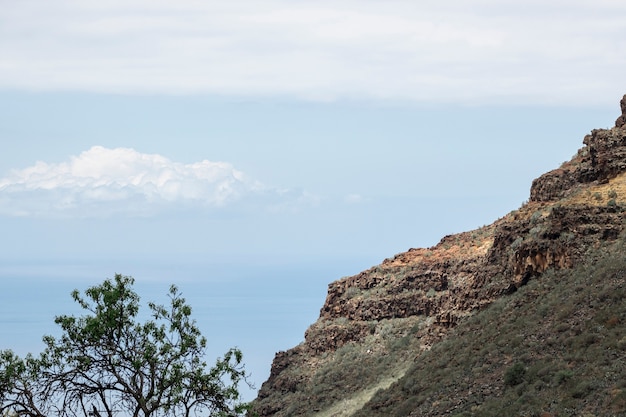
(603, 158)
(621, 121)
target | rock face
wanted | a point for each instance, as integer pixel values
(405, 305)
(621, 121)
(602, 159)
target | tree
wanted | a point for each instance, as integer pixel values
(107, 362)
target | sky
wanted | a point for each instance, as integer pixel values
(310, 137)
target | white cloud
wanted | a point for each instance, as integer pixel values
(354, 199)
(102, 182)
(459, 50)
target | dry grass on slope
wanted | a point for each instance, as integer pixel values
(555, 347)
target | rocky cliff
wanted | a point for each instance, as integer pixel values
(377, 324)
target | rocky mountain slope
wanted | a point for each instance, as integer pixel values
(445, 330)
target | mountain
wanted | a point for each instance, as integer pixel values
(526, 316)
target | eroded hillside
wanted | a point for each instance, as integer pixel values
(376, 326)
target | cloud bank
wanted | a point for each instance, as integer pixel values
(462, 51)
(103, 182)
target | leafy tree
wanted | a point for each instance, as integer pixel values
(107, 362)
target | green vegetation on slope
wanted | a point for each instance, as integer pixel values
(346, 378)
(557, 346)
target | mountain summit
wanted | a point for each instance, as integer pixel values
(526, 316)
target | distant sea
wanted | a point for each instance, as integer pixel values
(261, 308)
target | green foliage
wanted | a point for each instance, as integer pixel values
(536, 217)
(107, 361)
(515, 374)
(517, 243)
(563, 376)
(352, 292)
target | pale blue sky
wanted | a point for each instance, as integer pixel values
(342, 178)
(345, 131)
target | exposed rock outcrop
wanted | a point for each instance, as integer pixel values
(603, 158)
(621, 121)
(415, 297)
